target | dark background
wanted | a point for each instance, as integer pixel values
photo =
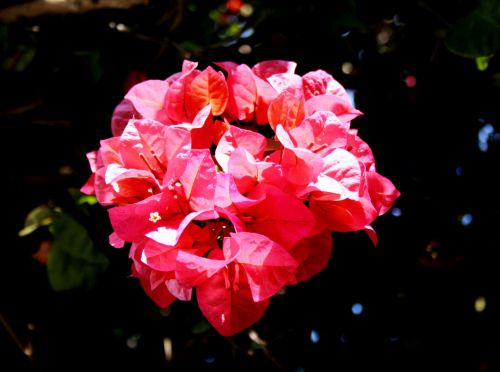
(61, 76)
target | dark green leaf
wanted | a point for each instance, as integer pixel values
(42, 215)
(347, 21)
(80, 198)
(201, 327)
(190, 46)
(478, 33)
(20, 60)
(89, 61)
(73, 260)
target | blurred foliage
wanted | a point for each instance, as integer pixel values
(72, 260)
(477, 35)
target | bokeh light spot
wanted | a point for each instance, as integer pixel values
(357, 309)
(466, 219)
(396, 212)
(246, 10)
(411, 81)
(347, 68)
(480, 304)
(245, 49)
(314, 336)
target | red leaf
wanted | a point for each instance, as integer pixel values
(209, 87)
(160, 294)
(242, 90)
(319, 82)
(229, 307)
(188, 66)
(202, 129)
(343, 215)
(327, 102)
(290, 82)
(108, 152)
(382, 192)
(313, 254)
(180, 292)
(89, 187)
(115, 241)
(192, 269)
(321, 132)
(148, 99)
(301, 166)
(265, 95)
(372, 234)
(287, 110)
(138, 143)
(265, 69)
(103, 191)
(279, 216)
(123, 112)
(227, 194)
(360, 149)
(199, 179)
(132, 222)
(254, 143)
(218, 130)
(242, 166)
(158, 256)
(175, 98)
(128, 185)
(268, 265)
(343, 167)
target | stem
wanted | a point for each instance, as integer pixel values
(13, 335)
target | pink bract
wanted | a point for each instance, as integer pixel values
(209, 203)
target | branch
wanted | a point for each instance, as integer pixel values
(47, 7)
(26, 350)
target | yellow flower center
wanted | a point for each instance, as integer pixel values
(154, 217)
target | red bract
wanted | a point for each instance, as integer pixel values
(234, 285)
(148, 99)
(211, 204)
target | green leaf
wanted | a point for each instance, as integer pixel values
(73, 261)
(89, 61)
(201, 327)
(42, 215)
(190, 46)
(81, 198)
(87, 199)
(20, 60)
(496, 79)
(482, 63)
(348, 21)
(478, 33)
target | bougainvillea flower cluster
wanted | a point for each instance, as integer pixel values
(211, 204)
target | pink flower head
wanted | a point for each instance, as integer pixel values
(132, 167)
(209, 203)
